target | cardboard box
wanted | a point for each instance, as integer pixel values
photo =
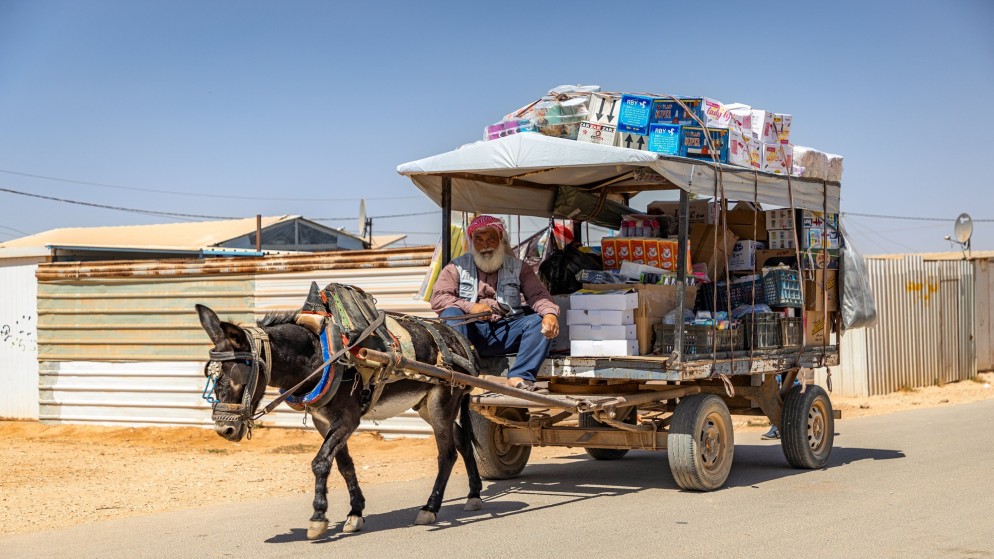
(700, 211)
(781, 239)
(818, 238)
(603, 108)
(616, 298)
(594, 133)
(743, 149)
(776, 158)
(600, 332)
(654, 301)
(634, 114)
(609, 253)
(779, 219)
(743, 257)
(816, 330)
(810, 259)
(694, 143)
(605, 318)
(739, 118)
(632, 140)
(747, 222)
(771, 128)
(665, 138)
(714, 114)
(815, 291)
(603, 348)
(819, 219)
(668, 111)
(703, 242)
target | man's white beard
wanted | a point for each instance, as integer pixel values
(489, 261)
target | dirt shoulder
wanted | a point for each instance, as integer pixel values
(114, 472)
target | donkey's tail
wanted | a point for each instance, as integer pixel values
(466, 424)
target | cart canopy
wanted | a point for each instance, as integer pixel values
(531, 174)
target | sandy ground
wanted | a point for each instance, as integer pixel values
(60, 475)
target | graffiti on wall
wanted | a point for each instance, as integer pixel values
(19, 335)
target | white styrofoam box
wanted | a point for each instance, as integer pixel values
(615, 300)
(603, 348)
(739, 118)
(594, 133)
(596, 332)
(608, 318)
(743, 149)
(779, 219)
(776, 158)
(743, 257)
(771, 128)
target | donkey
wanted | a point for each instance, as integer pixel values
(294, 351)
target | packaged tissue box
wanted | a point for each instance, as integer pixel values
(771, 128)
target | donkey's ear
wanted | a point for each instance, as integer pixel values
(211, 324)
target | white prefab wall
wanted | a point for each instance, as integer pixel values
(19, 338)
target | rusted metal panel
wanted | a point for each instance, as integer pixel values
(393, 288)
(925, 329)
(388, 258)
(19, 338)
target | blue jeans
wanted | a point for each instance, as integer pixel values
(521, 335)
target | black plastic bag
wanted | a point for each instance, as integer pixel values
(560, 268)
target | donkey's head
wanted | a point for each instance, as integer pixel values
(237, 372)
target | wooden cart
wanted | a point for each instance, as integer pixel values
(679, 402)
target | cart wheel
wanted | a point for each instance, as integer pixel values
(700, 443)
(807, 427)
(494, 459)
(587, 421)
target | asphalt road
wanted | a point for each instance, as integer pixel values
(909, 484)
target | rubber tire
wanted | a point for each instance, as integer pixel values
(807, 427)
(493, 460)
(587, 421)
(701, 422)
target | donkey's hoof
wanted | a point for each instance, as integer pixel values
(317, 529)
(425, 517)
(473, 503)
(353, 524)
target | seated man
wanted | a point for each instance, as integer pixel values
(491, 278)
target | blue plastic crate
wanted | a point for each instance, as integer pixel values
(783, 287)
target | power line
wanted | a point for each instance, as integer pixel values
(118, 208)
(12, 229)
(374, 216)
(202, 195)
(910, 218)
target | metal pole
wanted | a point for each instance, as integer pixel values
(681, 275)
(258, 232)
(577, 231)
(446, 220)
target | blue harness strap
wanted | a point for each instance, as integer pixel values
(327, 386)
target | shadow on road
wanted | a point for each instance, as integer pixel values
(574, 479)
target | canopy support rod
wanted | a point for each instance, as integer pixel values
(446, 220)
(681, 277)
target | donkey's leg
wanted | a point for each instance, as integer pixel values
(354, 522)
(321, 466)
(464, 444)
(440, 411)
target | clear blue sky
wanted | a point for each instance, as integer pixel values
(236, 108)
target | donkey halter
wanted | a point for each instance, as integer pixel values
(242, 411)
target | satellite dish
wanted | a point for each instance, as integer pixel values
(963, 229)
(362, 217)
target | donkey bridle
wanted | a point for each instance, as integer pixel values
(258, 346)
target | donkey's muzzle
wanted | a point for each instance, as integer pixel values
(232, 430)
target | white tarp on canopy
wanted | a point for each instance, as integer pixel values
(520, 174)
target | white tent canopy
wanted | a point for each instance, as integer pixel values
(521, 174)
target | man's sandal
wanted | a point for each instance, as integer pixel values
(529, 386)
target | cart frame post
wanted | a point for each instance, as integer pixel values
(681, 276)
(446, 220)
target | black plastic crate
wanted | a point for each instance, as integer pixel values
(791, 332)
(741, 293)
(762, 330)
(782, 287)
(698, 339)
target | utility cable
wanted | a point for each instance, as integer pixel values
(118, 208)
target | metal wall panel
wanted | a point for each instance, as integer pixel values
(984, 280)
(19, 338)
(925, 329)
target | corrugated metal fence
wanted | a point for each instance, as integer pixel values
(925, 328)
(19, 338)
(121, 343)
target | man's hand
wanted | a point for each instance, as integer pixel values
(479, 307)
(550, 326)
